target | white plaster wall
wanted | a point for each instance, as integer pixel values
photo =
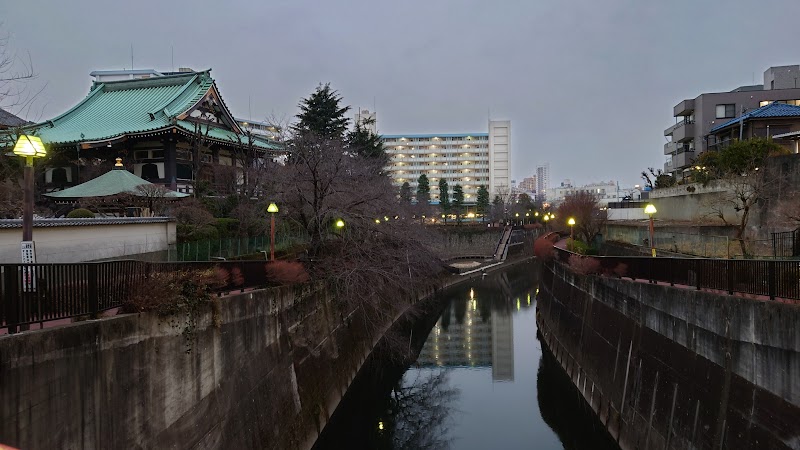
(499, 156)
(90, 242)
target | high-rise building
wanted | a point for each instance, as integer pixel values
(469, 159)
(528, 184)
(542, 181)
(695, 118)
(367, 120)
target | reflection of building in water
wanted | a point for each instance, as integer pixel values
(473, 342)
(502, 346)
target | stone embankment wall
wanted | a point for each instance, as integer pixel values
(454, 244)
(261, 370)
(666, 367)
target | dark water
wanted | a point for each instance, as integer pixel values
(481, 381)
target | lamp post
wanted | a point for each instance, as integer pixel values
(272, 209)
(29, 147)
(546, 218)
(650, 210)
(571, 223)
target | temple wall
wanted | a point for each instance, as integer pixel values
(76, 240)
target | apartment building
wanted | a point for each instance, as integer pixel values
(367, 120)
(604, 191)
(695, 118)
(542, 181)
(469, 159)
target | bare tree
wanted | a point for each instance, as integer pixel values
(16, 73)
(589, 218)
(154, 195)
(738, 168)
(377, 258)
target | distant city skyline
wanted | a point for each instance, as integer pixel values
(589, 89)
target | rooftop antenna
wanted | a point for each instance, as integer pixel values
(249, 110)
(131, 56)
(172, 54)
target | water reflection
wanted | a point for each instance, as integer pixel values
(475, 332)
(479, 381)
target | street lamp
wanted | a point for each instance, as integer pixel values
(546, 219)
(650, 210)
(571, 223)
(29, 147)
(340, 224)
(272, 209)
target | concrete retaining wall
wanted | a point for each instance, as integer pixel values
(267, 375)
(676, 368)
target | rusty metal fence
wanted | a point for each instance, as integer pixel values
(768, 278)
(37, 293)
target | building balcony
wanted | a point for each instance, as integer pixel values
(670, 130)
(679, 161)
(683, 133)
(670, 148)
(683, 108)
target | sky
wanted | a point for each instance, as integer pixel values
(588, 85)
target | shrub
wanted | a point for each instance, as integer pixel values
(191, 233)
(543, 247)
(584, 265)
(80, 213)
(226, 227)
(179, 297)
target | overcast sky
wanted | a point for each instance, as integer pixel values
(588, 85)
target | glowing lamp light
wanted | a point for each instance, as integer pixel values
(272, 208)
(571, 221)
(378, 221)
(30, 147)
(650, 209)
(340, 223)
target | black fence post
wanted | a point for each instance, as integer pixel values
(771, 279)
(729, 273)
(13, 297)
(91, 275)
(698, 272)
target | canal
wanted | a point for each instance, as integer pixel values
(477, 378)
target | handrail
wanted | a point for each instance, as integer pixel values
(768, 278)
(38, 293)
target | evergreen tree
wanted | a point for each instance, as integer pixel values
(322, 115)
(444, 196)
(423, 190)
(405, 192)
(483, 201)
(458, 201)
(364, 142)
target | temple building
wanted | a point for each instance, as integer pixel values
(172, 130)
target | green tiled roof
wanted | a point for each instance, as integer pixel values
(113, 182)
(225, 135)
(118, 108)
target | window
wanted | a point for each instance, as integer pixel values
(726, 111)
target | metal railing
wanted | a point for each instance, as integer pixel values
(768, 278)
(786, 244)
(38, 293)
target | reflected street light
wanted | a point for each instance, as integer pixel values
(650, 209)
(272, 209)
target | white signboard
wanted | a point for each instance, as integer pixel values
(28, 273)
